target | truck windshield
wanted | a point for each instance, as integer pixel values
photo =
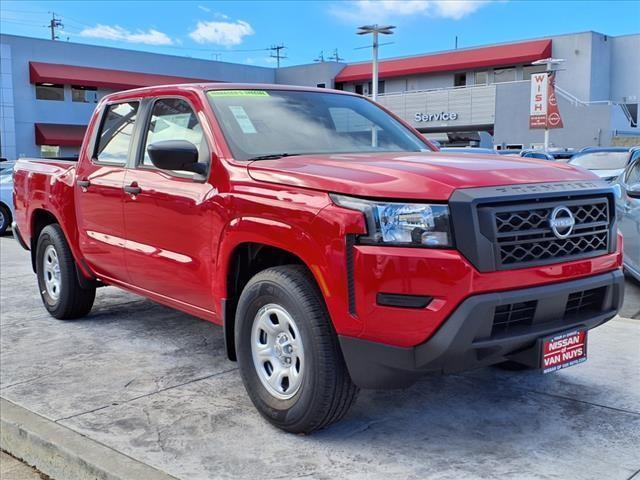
(263, 124)
(601, 160)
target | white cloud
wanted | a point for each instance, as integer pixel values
(117, 33)
(203, 8)
(221, 33)
(383, 10)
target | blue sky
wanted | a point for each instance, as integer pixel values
(241, 31)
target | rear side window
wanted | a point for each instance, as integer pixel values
(115, 133)
(174, 119)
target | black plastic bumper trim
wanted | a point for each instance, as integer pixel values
(403, 301)
(18, 236)
(464, 340)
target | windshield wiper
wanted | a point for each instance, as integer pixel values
(273, 156)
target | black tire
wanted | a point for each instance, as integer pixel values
(72, 300)
(326, 392)
(5, 219)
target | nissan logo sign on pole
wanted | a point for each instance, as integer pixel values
(544, 111)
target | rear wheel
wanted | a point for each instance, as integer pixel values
(5, 219)
(288, 353)
(61, 293)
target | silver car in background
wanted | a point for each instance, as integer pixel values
(628, 212)
(606, 162)
(6, 198)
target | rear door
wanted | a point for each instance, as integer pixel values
(168, 214)
(99, 195)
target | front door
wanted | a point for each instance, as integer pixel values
(629, 217)
(168, 214)
(99, 194)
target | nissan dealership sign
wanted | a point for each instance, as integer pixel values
(435, 117)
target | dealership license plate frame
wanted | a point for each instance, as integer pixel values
(562, 351)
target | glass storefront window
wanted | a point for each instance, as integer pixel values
(49, 151)
(482, 78)
(50, 91)
(504, 75)
(529, 70)
(84, 94)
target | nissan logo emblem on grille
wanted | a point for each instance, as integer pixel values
(561, 222)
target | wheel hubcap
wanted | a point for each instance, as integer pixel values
(51, 269)
(277, 351)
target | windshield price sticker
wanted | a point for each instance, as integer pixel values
(237, 93)
(244, 122)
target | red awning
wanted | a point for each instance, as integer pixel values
(100, 77)
(497, 56)
(59, 134)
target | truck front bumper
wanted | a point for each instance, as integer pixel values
(487, 329)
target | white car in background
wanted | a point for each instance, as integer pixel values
(6, 199)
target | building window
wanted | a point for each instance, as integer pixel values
(50, 91)
(84, 94)
(321, 85)
(380, 87)
(482, 78)
(359, 89)
(529, 70)
(49, 151)
(115, 132)
(460, 80)
(501, 75)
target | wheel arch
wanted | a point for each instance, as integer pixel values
(248, 249)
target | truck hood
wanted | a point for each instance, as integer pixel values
(420, 175)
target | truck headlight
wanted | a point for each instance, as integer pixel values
(402, 224)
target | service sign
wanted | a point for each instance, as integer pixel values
(538, 105)
(564, 350)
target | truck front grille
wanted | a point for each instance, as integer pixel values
(523, 235)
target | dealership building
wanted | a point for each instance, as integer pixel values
(472, 96)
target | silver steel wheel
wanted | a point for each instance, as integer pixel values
(276, 348)
(51, 271)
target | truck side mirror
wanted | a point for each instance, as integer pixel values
(634, 190)
(176, 155)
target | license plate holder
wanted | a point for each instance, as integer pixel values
(563, 350)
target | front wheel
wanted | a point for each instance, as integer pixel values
(288, 353)
(61, 293)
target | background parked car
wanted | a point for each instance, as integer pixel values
(606, 162)
(552, 154)
(6, 199)
(628, 210)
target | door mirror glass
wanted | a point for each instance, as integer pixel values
(176, 155)
(634, 190)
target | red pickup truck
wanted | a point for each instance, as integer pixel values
(335, 245)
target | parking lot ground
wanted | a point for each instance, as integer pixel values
(153, 385)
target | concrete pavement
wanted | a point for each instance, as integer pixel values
(152, 385)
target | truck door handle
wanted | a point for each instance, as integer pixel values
(83, 183)
(133, 189)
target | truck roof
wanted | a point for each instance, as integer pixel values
(163, 89)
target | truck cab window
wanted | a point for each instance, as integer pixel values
(174, 119)
(115, 135)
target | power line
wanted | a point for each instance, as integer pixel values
(335, 56)
(277, 55)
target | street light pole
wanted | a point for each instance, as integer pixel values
(375, 30)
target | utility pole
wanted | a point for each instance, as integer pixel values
(277, 55)
(320, 58)
(55, 23)
(456, 42)
(335, 57)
